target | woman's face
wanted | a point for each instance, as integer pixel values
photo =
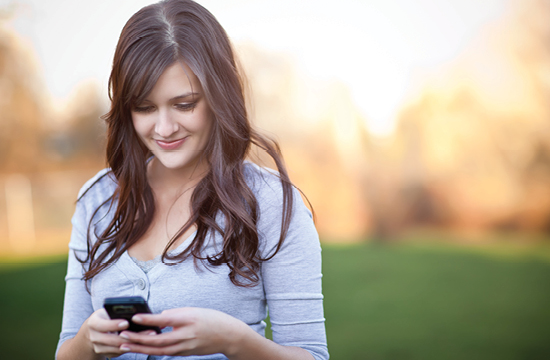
(174, 121)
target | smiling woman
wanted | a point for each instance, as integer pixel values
(182, 218)
(174, 122)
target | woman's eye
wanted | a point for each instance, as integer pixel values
(143, 109)
(186, 106)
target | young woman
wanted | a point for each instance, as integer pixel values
(181, 218)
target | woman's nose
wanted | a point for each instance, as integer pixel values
(165, 125)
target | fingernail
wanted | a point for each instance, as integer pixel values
(137, 319)
(151, 333)
(124, 348)
(122, 324)
(124, 335)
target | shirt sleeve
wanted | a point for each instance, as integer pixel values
(77, 306)
(292, 278)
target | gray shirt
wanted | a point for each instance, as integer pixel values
(290, 282)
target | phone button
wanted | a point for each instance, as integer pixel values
(141, 284)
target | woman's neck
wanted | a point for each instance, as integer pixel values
(162, 179)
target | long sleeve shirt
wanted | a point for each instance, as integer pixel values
(289, 283)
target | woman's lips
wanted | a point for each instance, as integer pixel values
(170, 145)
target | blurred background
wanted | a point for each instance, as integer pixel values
(419, 130)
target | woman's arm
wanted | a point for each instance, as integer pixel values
(96, 339)
(292, 278)
(251, 345)
(85, 332)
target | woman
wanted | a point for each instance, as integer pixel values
(180, 218)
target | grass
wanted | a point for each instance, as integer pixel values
(420, 302)
(31, 304)
(381, 302)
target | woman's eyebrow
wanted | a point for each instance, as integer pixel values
(183, 96)
(179, 97)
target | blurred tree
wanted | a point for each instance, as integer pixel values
(321, 134)
(479, 133)
(22, 105)
(79, 140)
(34, 137)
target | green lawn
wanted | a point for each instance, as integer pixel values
(31, 302)
(381, 302)
(410, 302)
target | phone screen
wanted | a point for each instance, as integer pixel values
(125, 307)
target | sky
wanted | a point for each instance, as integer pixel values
(376, 48)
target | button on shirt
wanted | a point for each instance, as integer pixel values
(141, 284)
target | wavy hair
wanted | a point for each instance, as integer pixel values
(153, 39)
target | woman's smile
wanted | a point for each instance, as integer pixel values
(170, 145)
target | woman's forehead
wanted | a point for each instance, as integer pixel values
(177, 80)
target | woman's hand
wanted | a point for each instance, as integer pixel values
(101, 333)
(196, 331)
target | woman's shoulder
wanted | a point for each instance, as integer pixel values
(262, 181)
(267, 186)
(95, 192)
(98, 188)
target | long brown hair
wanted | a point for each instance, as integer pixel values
(153, 39)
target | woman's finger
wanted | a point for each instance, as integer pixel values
(105, 326)
(108, 351)
(106, 339)
(165, 339)
(172, 317)
(159, 320)
(176, 349)
(100, 321)
(108, 344)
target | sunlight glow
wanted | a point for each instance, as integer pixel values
(374, 47)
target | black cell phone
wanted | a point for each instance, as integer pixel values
(124, 307)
